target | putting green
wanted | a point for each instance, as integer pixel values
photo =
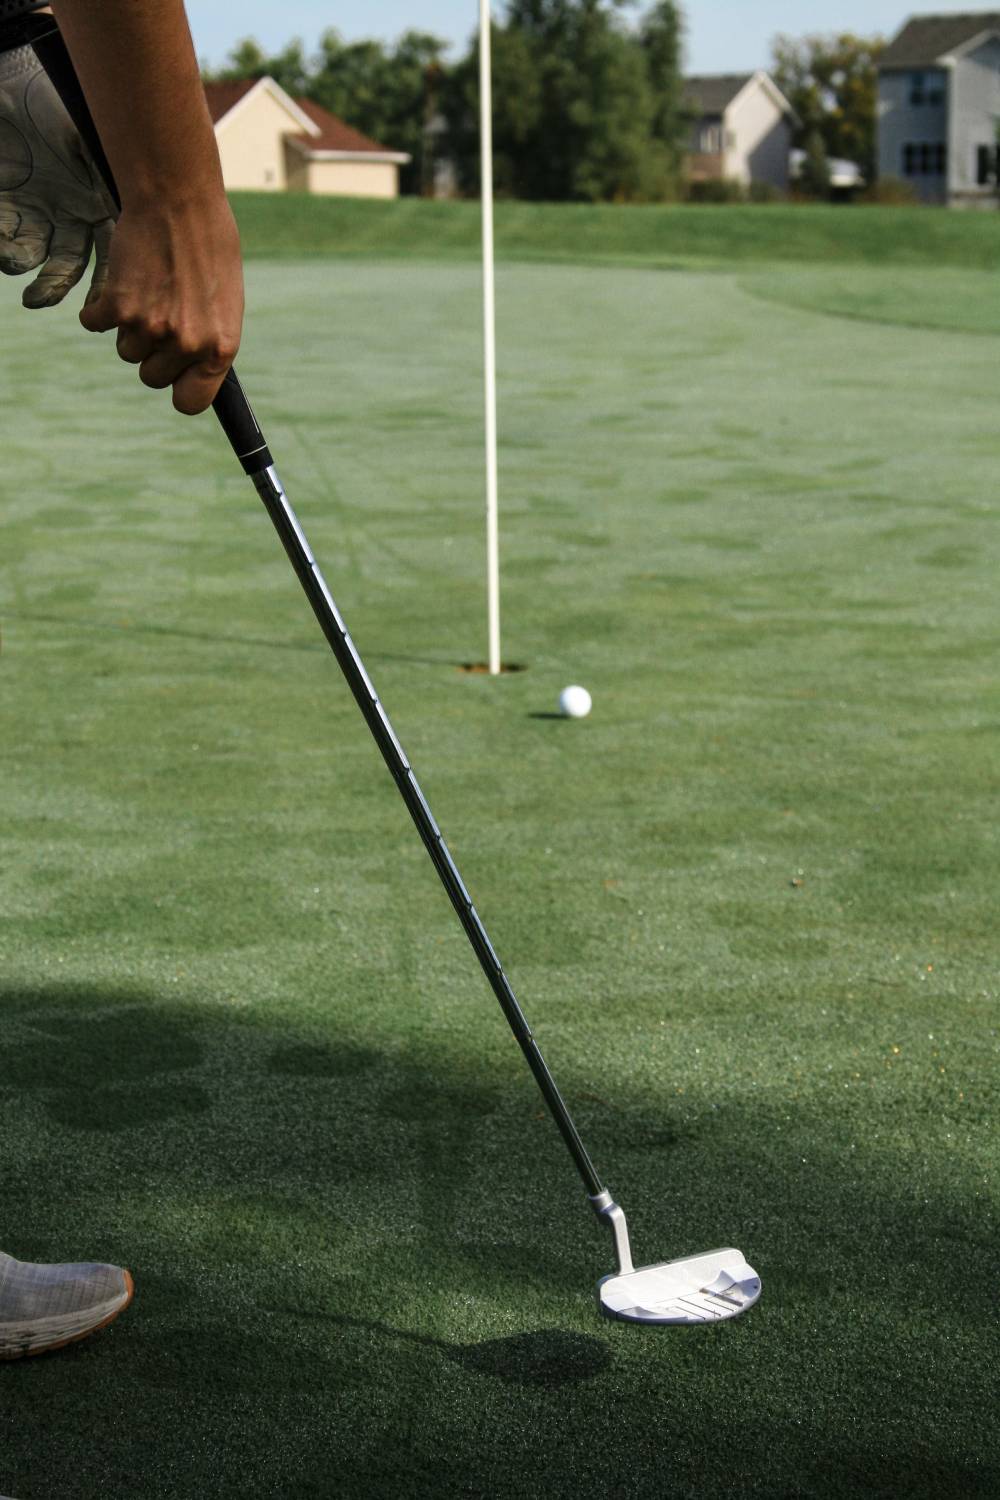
(749, 904)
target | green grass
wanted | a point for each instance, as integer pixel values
(749, 905)
(280, 225)
(942, 298)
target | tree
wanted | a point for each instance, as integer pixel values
(387, 93)
(517, 103)
(661, 39)
(832, 84)
(814, 179)
(576, 109)
(288, 67)
(584, 108)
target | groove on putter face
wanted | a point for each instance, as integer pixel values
(699, 1289)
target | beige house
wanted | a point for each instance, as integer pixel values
(270, 142)
(741, 129)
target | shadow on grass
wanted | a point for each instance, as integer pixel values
(313, 646)
(253, 1197)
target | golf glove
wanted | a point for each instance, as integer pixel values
(53, 207)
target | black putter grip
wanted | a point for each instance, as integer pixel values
(230, 406)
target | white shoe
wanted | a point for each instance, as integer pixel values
(45, 1307)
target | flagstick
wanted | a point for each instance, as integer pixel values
(489, 336)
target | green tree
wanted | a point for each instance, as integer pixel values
(289, 67)
(517, 102)
(832, 84)
(815, 176)
(576, 112)
(388, 93)
(661, 36)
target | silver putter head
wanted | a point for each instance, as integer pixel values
(698, 1289)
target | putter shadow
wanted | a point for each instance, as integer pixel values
(548, 1357)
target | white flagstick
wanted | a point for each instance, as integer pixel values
(489, 335)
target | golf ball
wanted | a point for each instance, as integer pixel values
(574, 702)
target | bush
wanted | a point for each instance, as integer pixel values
(766, 192)
(892, 191)
(716, 190)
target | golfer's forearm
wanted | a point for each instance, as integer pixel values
(136, 63)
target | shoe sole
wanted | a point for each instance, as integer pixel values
(75, 1338)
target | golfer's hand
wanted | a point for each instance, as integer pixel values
(174, 291)
(53, 207)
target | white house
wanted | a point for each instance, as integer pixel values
(939, 108)
(271, 142)
(741, 129)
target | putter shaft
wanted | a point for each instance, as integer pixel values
(300, 555)
(248, 443)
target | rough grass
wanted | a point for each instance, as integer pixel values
(279, 225)
(749, 904)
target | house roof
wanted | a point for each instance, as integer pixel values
(924, 40)
(334, 134)
(324, 133)
(222, 97)
(711, 94)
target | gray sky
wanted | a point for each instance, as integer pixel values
(723, 35)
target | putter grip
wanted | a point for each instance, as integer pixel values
(231, 405)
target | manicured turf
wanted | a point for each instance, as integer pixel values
(749, 905)
(276, 224)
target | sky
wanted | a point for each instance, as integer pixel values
(723, 36)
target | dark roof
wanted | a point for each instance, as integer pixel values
(222, 96)
(924, 39)
(712, 94)
(334, 135)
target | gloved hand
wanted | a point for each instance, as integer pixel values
(53, 206)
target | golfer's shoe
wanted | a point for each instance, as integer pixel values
(46, 1307)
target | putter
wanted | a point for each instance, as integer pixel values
(706, 1288)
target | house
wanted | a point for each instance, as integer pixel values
(271, 142)
(939, 108)
(741, 129)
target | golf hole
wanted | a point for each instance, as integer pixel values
(483, 667)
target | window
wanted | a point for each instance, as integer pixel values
(925, 159)
(987, 165)
(711, 139)
(924, 90)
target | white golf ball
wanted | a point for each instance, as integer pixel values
(574, 702)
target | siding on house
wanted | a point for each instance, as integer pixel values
(252, 144)
(974, 116)
(353, 179)
(761, 135)
(902, 124)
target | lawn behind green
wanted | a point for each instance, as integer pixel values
(749, 905)
(278, 224)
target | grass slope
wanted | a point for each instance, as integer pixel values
(749, 905)
(280, 225)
